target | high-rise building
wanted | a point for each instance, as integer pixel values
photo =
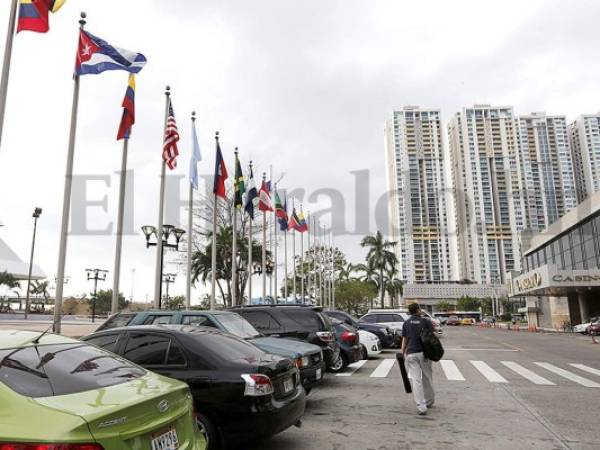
(584, 135)
(420, 209)
(547, 170)
(490, 210)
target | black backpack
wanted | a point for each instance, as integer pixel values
(432, 347)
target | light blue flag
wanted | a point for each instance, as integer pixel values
(195, 159)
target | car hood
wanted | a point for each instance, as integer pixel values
(289, 348)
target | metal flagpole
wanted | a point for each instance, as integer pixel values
(161, 203)
(12, 20)
(275, 245)
(188, 288)
(250, 253)
(271, 230)
(308, 281)
(301, 265)
(294, 256)
(214, 245)
(332, 272)
(64, 228)
(264, 250)
(114, 307)
(285, 262)
(319, 264)
(314, 257)
(234, 277)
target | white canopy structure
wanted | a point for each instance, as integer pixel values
(11, 263)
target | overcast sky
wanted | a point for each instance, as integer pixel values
(302, 85)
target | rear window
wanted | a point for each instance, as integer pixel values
(368, 319)
(51, 370)
(158, 319)
(116, 321)
(263, 321)
(153, 350)
(230, 348)
(307, 319)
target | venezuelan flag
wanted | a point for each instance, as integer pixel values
(128, 118)
(33, 14)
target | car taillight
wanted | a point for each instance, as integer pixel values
(325, 336)
(41, 446)
(257, 385)
(349, 337)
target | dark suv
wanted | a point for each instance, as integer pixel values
(307, 323)
(385, 334)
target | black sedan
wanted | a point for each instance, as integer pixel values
(240, 393)
(350, 349)
(385, 335)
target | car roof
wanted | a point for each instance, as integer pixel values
(387, 311)
(23, 338)
(286, 306)
(175, 329)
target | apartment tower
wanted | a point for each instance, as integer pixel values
(420, 207)
(584, 136)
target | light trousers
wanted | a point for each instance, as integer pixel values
(419, 370)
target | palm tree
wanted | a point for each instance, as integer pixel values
(346, 272)
(39, 288)
(369, 275)
(6, 279)
(381, 257)
(393, 286)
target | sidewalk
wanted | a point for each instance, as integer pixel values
(69, 328)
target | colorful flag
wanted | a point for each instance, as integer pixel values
(33, 14)
(195, 159)
(251, 195)
(170, 151)
(128, 118)
(239, 187)
(294, 221)
(302, 225)
(281, 213)
(95, 56)
(264, 199)
(220, 174)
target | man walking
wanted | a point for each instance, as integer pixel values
(419, 368)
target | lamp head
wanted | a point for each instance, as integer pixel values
(167, 229)
(148, 231)
(37, 212)
(178, 232)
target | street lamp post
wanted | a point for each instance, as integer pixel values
(167, 232)
(96, 275)
(168, 278)
(37, 212)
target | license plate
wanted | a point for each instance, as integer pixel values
(166, 441)
(318, 374)
(288, 385)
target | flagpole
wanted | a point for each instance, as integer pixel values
(12, 20)
(314, 257)
(188, 290)
(114, 307)
(294, 252)
(302, 263)
(234, 277)
(250, 253)
(309, 281)
(276, 245)
(64, 228)
(271, 230)
(214, 245)
(332, 271)
(285, 260)
(264, 248)
(161, 203)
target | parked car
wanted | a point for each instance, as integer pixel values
(307, 357)
(393, 321)
(241, 393)
(584, 328)
(489, 319)
(61, 393)
(453, 321)
(594, 328)
(385, 334)
(370, 344)
(306, 323)
(437, 325)
(468, 321)
(350, 349)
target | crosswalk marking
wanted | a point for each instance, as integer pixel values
(351, 368)
(491, 375)
(586, 369)
(568, 375)
(451, 371)
(383, 369)
(528, 374)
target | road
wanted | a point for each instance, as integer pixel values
(504, 401)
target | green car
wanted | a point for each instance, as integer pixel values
(58, 393)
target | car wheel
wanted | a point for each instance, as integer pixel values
(208, 430)
(337, 365)
(365, 354)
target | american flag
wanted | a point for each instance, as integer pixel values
(170, 151)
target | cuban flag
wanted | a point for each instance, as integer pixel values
(95, 56)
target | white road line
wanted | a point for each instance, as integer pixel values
(351, 368)
(383, 369)
(491, 375)
(568, 375)
(451, 371)
(586, 369)
(528, 374)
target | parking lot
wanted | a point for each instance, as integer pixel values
(482, 401)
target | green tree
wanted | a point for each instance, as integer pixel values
(369, 275)
(10, 282)
(466, 303)
(393, 286)
(104, 300)
(380, 257)
(444, 306)
(176, 302)
(354, 296)
(39, 289)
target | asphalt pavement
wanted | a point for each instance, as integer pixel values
(495, 389)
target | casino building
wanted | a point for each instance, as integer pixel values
(560, 276)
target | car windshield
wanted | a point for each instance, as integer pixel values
(50, 370)
(230, 348)
(237, 325)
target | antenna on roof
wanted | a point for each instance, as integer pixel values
(37, 339)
